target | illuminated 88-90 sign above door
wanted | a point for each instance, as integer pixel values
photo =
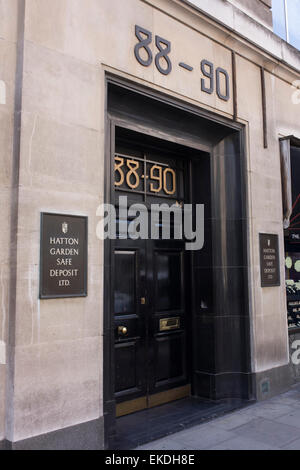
(144, 176)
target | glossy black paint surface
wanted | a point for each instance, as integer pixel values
(221, 345)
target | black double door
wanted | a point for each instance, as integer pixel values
(151, 294)
(150, 323)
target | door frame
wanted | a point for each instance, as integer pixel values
(111, 122)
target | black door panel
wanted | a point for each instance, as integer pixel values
(127, 377)
(168, 271)
(167, 312)
(126, 285)
(130, 322)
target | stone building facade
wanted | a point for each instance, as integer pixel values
(79, 83)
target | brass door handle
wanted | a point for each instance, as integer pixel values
(122, 330)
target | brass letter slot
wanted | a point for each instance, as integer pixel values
(166, 324)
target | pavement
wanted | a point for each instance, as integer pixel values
(273, 424)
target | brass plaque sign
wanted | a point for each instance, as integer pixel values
(269, 260)
(166, 324)
(63, 262)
